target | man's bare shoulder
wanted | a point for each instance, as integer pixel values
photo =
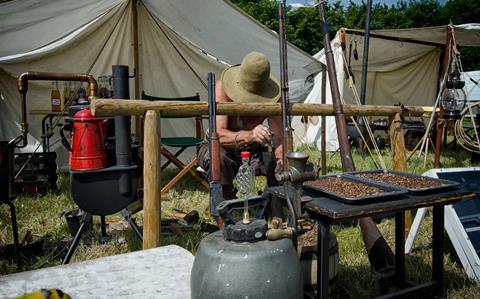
(220, 94)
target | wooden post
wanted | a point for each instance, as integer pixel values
(151, 181)
(137, 71)
(324, 121)
(397, 143)
(440, 121)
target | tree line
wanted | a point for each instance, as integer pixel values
(303, 29)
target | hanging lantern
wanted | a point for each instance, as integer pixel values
(454, 98)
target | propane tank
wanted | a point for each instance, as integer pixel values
(87, 149)
(238, 262)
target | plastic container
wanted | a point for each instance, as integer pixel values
(245, 183)
(245, 177)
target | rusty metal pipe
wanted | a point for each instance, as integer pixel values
(345, 153)
(287, 145)
(22, 86)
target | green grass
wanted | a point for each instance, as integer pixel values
(43, 217)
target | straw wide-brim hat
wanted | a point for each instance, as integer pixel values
(250, 81)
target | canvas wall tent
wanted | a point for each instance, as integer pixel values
(180, 41)
(403, 67)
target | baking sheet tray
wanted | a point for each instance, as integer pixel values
(446, 185)
(390, 192)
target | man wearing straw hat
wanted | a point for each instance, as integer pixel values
(248, 82)
(251, 82)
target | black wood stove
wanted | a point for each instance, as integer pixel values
(108, 190)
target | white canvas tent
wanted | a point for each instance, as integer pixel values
(403, 67)
(180, 41)
(472, 89)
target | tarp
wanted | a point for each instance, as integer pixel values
(180, 41)
(399, 71)
(472, 85)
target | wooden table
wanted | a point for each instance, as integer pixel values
(162, 272)
(326, 211)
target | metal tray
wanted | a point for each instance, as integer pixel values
(446, 185)
(390, 192)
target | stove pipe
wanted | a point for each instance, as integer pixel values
(122, 126)
(122, 123)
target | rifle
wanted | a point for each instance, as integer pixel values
(216, 192)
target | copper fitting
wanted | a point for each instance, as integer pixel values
(22, 86)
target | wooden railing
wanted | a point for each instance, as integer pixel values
(153, 110)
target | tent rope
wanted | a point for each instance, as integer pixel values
(381, 162)
(435, 105)
(465, 140)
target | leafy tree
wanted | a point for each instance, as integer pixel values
(425, 13)
(303, 26)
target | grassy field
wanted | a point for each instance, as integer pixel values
(42, 218)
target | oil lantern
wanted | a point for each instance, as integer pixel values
(453, 97)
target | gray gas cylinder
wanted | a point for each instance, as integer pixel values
(247, 270)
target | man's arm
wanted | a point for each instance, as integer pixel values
(276, 127)
(232, 139)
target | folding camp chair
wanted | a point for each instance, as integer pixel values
(182, 143)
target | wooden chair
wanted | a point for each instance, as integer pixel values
(182, 143)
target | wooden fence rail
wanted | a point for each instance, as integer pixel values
(111, 107)
(152, 111)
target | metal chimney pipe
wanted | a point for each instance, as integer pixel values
(122, 126)
(122, 123)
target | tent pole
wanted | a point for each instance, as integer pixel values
(440, 121)
(394, 38)
(366, 44)
(370, 233)
(345, 153)
(324, 122)
(287, 145)
(136, 67)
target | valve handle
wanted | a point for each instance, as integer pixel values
(226, 207)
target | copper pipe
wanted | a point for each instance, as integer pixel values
(22, 85)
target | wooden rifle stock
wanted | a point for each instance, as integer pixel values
(216, 194)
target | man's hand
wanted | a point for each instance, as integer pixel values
(261, 134)
(279, 166)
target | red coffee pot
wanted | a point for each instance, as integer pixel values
(87, 149)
